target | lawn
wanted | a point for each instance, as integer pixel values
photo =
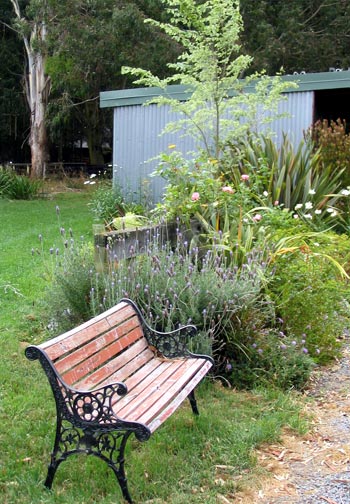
(189, 460)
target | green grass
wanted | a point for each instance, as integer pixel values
(185, 459)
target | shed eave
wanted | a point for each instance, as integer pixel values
(139, 96)
(306, 82)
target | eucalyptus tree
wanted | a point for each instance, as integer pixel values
(74, 49)
(31, 19)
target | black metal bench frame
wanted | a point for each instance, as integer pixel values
(87, 416)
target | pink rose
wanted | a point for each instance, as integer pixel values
(276, 203)
(195, 196)
(257, 217)
(244, 177)
(228, 189)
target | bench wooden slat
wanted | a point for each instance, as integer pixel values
(136, 362)
(144, 375)
(162, 392)
(158, 419)
(84, 352)
(78, 338)
(116, 370)
(82, 334)
(98, 361)
(114, 317)
(138, 374)
(148, 386)
(96, 352)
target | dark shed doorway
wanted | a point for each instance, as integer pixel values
(333, 104)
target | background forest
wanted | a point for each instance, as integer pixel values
(84, 44)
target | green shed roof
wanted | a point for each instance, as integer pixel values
(306, 82)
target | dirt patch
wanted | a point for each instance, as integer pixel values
(314, 468)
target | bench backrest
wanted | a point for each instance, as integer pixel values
(110, 345)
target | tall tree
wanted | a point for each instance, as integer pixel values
(13, 111)
(32, 27)
(302, 35)
(89, 43)
(210, 68)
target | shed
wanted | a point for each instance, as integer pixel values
(137, 128)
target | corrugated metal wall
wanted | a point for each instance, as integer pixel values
(137, 141)
(299, 108)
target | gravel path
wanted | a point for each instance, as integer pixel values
(314, 469)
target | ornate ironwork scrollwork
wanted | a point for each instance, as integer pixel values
(166, 344)
(93, 407)
(172, 344)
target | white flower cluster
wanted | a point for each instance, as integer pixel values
(91, 182)
(308, 205)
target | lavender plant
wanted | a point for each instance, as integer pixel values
(185, 285)
(175, 285)
(228, 304)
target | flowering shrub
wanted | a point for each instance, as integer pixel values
(191, 185)
(175, 287)
(226, 210)
(312, 306)
(271, 357)
(309, 286)
(226, 303)
(332, 139)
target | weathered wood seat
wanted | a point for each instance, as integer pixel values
(113, 376)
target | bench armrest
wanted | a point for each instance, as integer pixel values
(170, 344)
(95, 408)
(84, 409)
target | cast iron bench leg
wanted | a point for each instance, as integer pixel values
(193, 402)
(106, 445)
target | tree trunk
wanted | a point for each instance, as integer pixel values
(37, 93)
(37, 86)
(94, 133)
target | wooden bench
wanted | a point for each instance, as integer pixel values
(113, 376)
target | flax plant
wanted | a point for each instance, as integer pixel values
(293, 178)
